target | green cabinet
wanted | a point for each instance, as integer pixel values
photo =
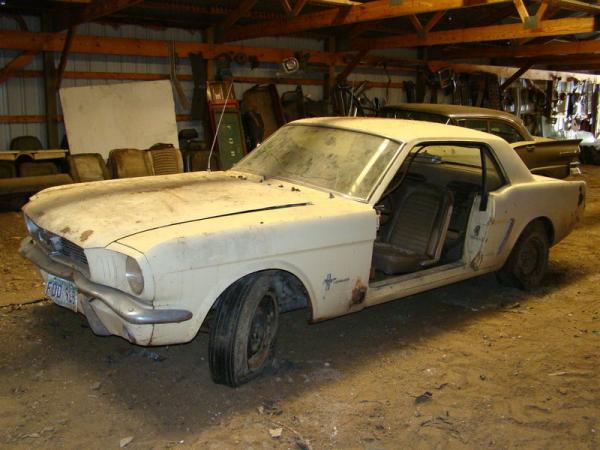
(230, 140)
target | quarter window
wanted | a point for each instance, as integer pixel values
(505, 131)
(475, 124)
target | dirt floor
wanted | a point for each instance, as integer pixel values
(473, 365)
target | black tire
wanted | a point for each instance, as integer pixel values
(242, 338)
(526, 266)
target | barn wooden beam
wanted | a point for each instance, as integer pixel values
(195, 9)
(416, 23)
(335, 2)
(506, 71)
(298, 6)
(84, 44)
(435, 19)
(184, 77)
(242, 10)
(364, 12)
(16, 64)
(542, 10)
(92, 11)
(580, 61)
(522, 10)
(23, 40)
(287, 7)
(524, 51)
(556, 27)
(64, 56)
(515, 76)
(575, 5)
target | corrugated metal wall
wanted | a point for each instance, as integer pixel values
(25, 96)
(21, 96)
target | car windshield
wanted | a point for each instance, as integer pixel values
(332, 159)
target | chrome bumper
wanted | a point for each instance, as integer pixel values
(124, 305)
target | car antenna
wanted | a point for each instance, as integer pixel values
(212, 147)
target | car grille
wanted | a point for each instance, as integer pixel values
(59, 246)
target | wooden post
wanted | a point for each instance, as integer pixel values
(210, 64)
(329, 76)
(50, 90)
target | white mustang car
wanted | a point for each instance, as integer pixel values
(333, 214)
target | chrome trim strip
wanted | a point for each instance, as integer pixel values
(124, 305)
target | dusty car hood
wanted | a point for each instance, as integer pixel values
(96, 214)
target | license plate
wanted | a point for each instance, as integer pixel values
(62, 292)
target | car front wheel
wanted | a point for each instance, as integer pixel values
(526, 266)
(242, 337)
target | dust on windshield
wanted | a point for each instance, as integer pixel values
(332, 159)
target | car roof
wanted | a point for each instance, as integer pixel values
(400, 129)
(451, 110)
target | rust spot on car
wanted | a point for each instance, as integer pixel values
(85, 235)
(358, 293)
(65, 230)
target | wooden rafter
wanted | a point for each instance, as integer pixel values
(17, 64)
(515, 76)
(522, 10)
(557, 27)
(416, 23)
(503, 71)
(435, 19)
(298, 6)
(421, 29)
(242, 10)
(91, 12)
(195, 9)
(525, 51)
(574, 5)
(23, 40)
(365, 12)
(285, 4)
(80, 75)
(335, 2)
(542, 10)
(64, 56)
(85, 44)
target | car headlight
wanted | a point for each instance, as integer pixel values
(134, 275)
(32, 228)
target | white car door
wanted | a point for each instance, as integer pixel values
(491, 219)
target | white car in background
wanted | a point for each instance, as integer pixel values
(333, 214)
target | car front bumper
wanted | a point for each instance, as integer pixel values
(108, 310)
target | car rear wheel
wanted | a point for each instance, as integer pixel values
(526, 266)
(242, 338)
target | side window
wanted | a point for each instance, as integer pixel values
(505, 130)
(465, 161)
(453, 154)
(475, 124)
(495, 179)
